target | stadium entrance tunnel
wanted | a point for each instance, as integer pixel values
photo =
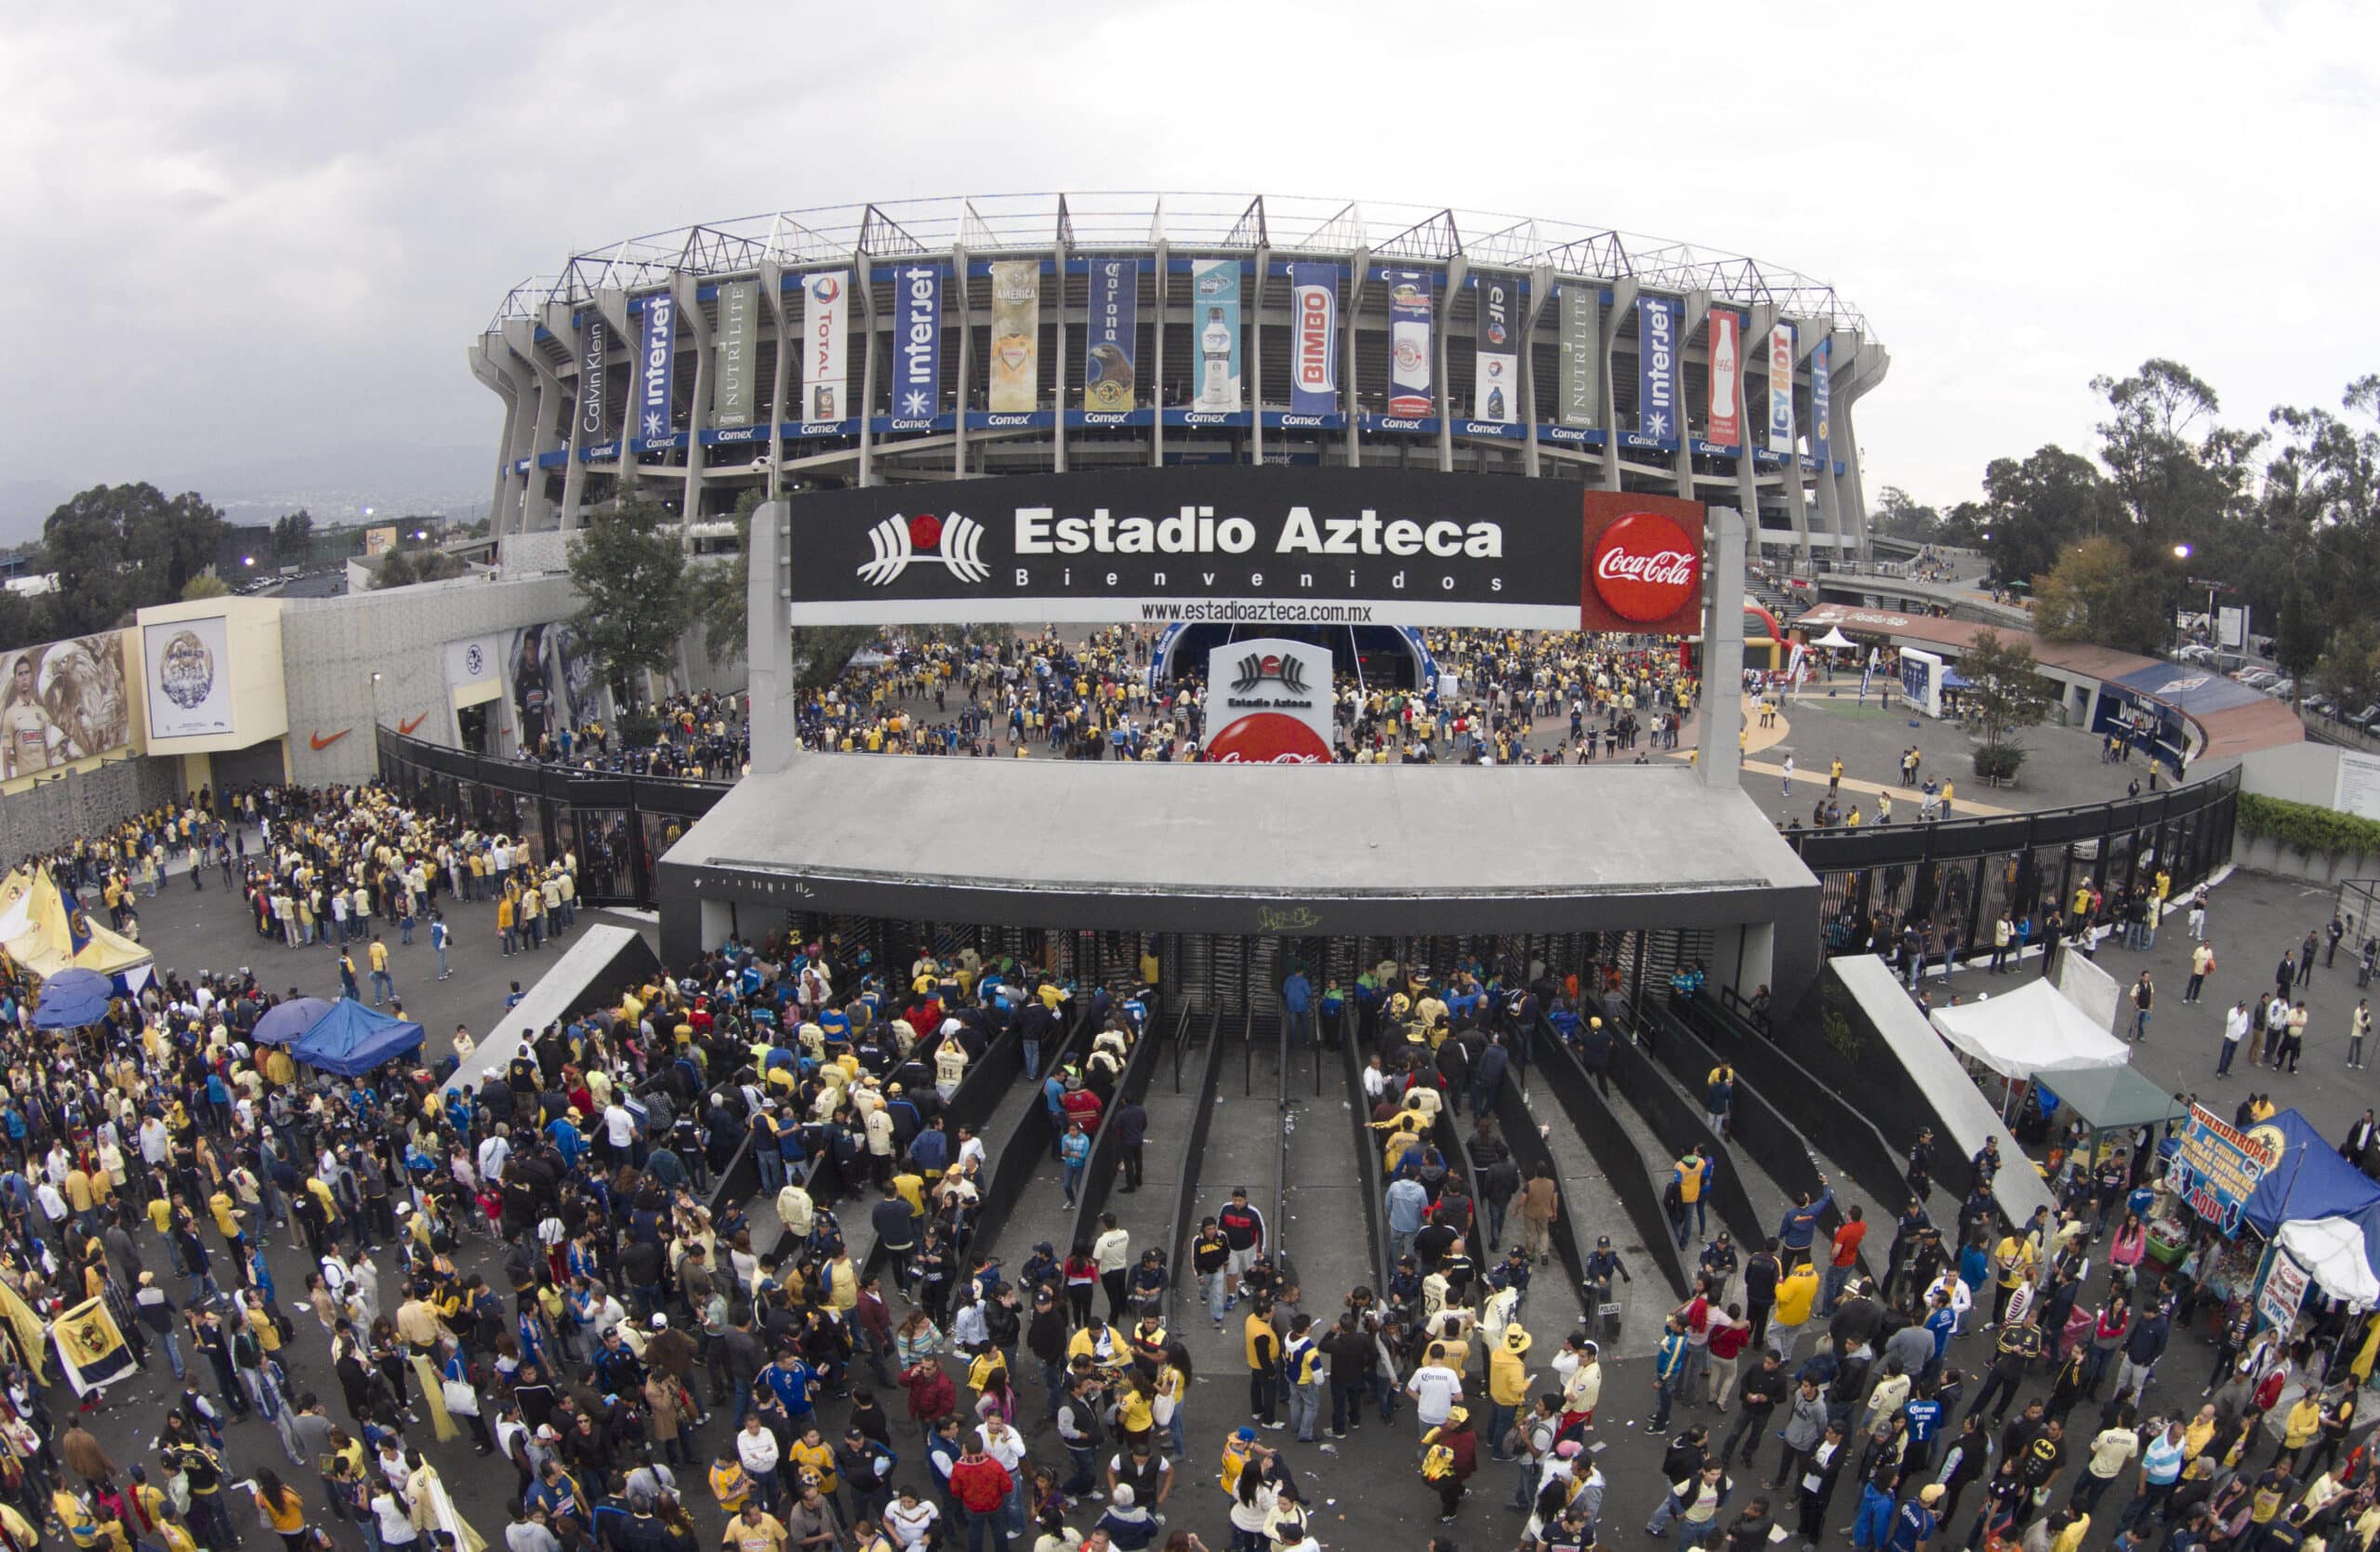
(1367, 657)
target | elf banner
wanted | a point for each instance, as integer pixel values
(1110, 374)
(1781, 389)
(1409, 353)
(1495, 391)
(1313, 338)
(1016, 337)
(825, 349)
(1725, 421)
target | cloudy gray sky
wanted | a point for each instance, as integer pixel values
(245, 230)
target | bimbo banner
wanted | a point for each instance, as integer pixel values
(594, 380)
(730, 378)
(1214, 332)
(1781, 389)
(1015, 371)
(1409, 353)
(1657, 369)
(1726, 423)
(1109, 371)
(825, 349)
(1581, 358)
(1822, 397)
(1313, 338)
(1269, 703)
(916, 342)
(658, 367)
(1496, 388)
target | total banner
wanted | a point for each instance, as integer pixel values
(1109, 372)
(1269, 703)
(2217, 1167)
(188, 665)
(1214, 294)
(594, 380)
(1822, 397)
(657, 369)
(1313, 338)
(825, 345)
(1581, 358)
(1656, 320)
(1409, 349)
(65, 701)
(916, 342)
(1293, 546)
(733, 357)
(1781, 389)
(1016, 337)
(1496, 388)
(1726, 421)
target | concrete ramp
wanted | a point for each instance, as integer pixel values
(600, 962)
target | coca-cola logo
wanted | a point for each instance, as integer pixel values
(1268, 738)
(1645, 568)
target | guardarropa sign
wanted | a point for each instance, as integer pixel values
(1241, 544)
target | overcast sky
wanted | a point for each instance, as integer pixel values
(242, 227)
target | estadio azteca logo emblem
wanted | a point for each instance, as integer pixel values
(956, 543)
(1646, 568)
(1255, 669)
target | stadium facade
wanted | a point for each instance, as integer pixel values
(928, 340)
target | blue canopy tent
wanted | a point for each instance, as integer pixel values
(351, 1040)
(2310, 1180)
(287, 1021)
(71, 999)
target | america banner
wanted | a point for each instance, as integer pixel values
(1215, 330)
(1781, 389)
(1110, 370)
(730, 378)
(1496, 386)
(1016, 336)
(1313, 338)
(916, 342)
(1582, 365)
(826, 348)
(1725, 419)
(1657, 369)
(1409, 353)
(656, 370)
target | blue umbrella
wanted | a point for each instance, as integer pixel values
(287, 1021)
(71, 999)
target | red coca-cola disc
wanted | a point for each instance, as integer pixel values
(1645, 568)
(1267, 738)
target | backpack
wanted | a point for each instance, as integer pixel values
(1437, 1463)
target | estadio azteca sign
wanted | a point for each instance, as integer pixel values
(1269, 703)
(1246, 546)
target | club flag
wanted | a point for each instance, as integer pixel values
(26, 1327)
(90, 1349)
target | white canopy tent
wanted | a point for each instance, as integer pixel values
(2332, 1252)
(1834, 637)
(2031, 1030)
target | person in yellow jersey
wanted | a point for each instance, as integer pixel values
(729, 1485)
(754, 1530)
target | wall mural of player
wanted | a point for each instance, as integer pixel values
(63, 701)
(532, 700)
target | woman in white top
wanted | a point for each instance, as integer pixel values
(910, 1519)
(394, 1515)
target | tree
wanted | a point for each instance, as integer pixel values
(205, 585)
(1899, 515)
(2005, 694)
(2350, 669)
(717, 594)
(2300, 637)
(2034, 506)
(293, 538)
(118, 547)
(402, 569)
(2097, 592)
(629, 567)
(2178, 472)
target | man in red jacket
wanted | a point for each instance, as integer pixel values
(932, 1396)
(982, 1486)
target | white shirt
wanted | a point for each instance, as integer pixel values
(1008, 1448)
(2235, 1024)
(1435, 1389)
(757, 1450)
(494, 1153)
(618, 1125)
(396, 1522)
(909, 1526)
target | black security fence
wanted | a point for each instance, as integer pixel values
(1963, 872)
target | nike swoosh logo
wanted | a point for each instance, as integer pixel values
(322, 743)
(407, 727)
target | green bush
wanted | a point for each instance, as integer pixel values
(2307, 829)
(1999, 761)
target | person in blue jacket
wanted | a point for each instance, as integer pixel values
(1801, 1223)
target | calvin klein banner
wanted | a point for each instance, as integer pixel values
(1214, 328)
(1657, 369)
(1726, 423)
(1409, 353)
(594, 378)
(916, 342)
(1313, 338)
(1016, 337)
(1781, 389)
(1821, 398)
(730, 378)
(658, 367)
(1582, 359)
(1109, 374)
(826, 348)
(1496, 388)
(1271, 546)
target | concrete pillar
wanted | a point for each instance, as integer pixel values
(688, 291)
(772, 295)
(1723, 649)
(866, 278)
(1698, 307)
(1358, 273)
(1456, 270)
(1156, 372)
(538, 434)
(561, 325)
(488, 363)
(1746, 471)
(1541, 291)
(1623, 298)
(1058, 396)
(768, 644)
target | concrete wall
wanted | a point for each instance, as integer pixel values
(83, 802)
(2298, 773)
(332, 646)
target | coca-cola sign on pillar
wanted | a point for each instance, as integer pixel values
(1643, 565)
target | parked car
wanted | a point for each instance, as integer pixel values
(2281, 689)
(2195, 654)
(2322, 707)
(2368, 718)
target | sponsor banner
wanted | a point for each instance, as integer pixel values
(558, 458)
(1581, 360)
(1015, 371)
(1112, 349)
(1708, 449)
(601, 452)
(594, 380)
(1297, 420)
(825, 349)
(1726, 421)
(734, 359)
(658, 367)
(1501, 430)
(2217, 1167)
(1571, 436)
(476, 660)
(1495, 329)
(2284, 1291)
(887, 425)
(64, 701)
(188, 667)
(1822, 397)
(1210, 419)
(916, 342)
(1110, 420)
(1214, 329)
(1409, 350)
(381, 540)
(811, 430)
(1656, 372)
(1781, 389)
(1313, 338)
(1641, 558)
(1007, 421)
(735, 436)
(1400, 425)
(1269, 703)
(1251, 545)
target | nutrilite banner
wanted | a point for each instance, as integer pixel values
(658, 367)
(1581, 360)
(1495, 387)
(1822, 397)
(1657, 369)
(1313, 338)
(731, 379)
(1214, 333)
(1015, 372)
(826, 348)
(1109, 372)
(916, 342)
(1781, 389)
(1725, 422)
(594, 380)
(1409, 350)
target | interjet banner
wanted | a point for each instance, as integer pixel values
(594, 380)
(1582, 362)
(1214, 328)
(1781, 389)
(916, 342)
(1726, 421)
(1496, 388)
(1110, 373)
(730, 378)
(658, 366)
(1409, 353)
(1821, 396)
(1015, 372)
(1313, 338)
(1657, 369)
(825, 345)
